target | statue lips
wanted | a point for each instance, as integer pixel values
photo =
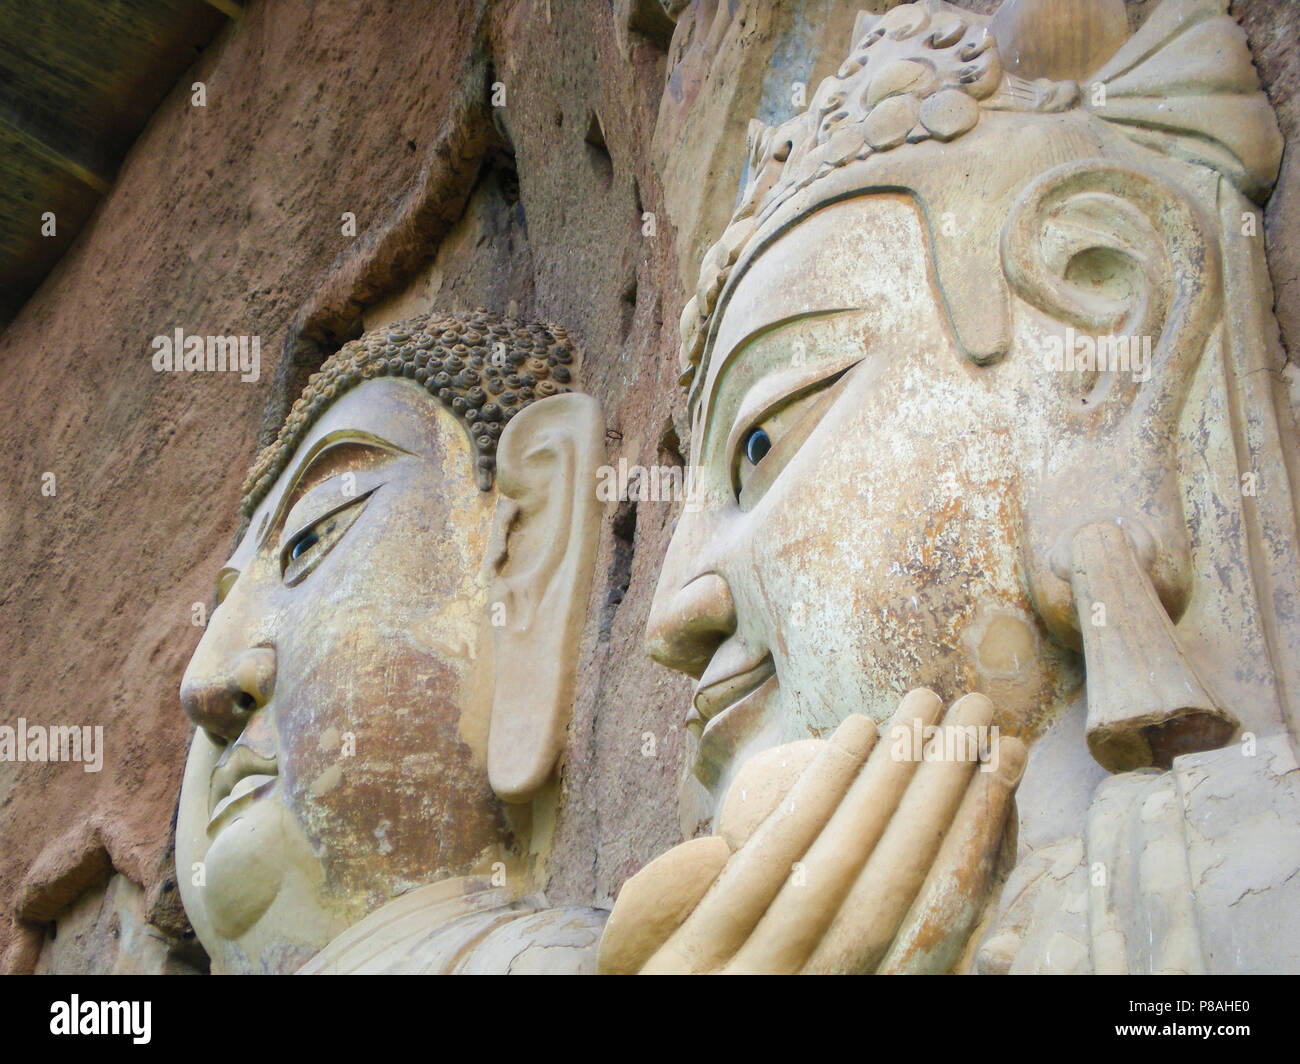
(242, 773)
(717, 699)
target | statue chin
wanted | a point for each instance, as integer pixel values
(261, 908)
(243, 869)
(254, 892)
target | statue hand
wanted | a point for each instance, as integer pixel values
(874, 860)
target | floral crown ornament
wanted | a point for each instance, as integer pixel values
(1048, 79)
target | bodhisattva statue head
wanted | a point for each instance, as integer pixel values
(982, 379)
(384, 685)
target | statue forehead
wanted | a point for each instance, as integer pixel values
(867, 253)
(394, 411)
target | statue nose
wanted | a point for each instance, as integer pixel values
(690, 624)
(222, 701)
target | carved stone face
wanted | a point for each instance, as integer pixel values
(859, 487)
(342, 688)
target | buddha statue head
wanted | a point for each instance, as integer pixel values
(985, 390)
(383, 687)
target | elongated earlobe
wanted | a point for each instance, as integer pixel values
(1120, 255)
(547, 526)
(1146, 703)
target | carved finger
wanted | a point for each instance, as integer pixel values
(754, 875)
(655, 901)
(759, 788)
(953, 895)
(867, 921)
(795, 922)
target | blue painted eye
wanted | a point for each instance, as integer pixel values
(303, 545)
(312, 543)
(757, 444)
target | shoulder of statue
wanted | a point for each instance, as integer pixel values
(464, 925)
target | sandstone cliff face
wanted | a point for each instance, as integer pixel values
(586, 200)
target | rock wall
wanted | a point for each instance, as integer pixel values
(585, 199)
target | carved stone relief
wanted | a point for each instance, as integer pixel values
(381, 693)
(984, 384)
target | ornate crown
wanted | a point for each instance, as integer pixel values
(1183, 85)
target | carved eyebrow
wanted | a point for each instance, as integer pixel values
(324, 457)
(711, 392)
(784, 387)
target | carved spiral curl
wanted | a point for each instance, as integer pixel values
(459, 361)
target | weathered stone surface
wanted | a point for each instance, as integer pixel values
(221, 221)
(867, 516)
(1272, 30)
(112, 931)
(227, 220)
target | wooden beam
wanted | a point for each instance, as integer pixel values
(229, 8)
(99, 182)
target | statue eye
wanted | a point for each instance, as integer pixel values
(763, 450)
(303, 544)
(306, 549)
(757, 444)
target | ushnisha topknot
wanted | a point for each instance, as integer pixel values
(483, 368)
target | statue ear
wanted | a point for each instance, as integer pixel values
(545, 535)
(1124, 258)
